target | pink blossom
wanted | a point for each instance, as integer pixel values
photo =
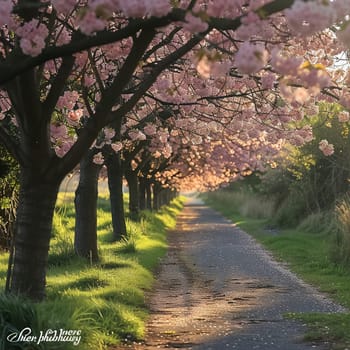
(326, 148)
(343, 117)
(157, 154)
(251, 25)
(224, 8)
(344, 34)
(63, 147)
(64, 37)
(314, 78)
(196, 139)
(163, 135)
(163, 84)
(81, 58)
(133, 8)
(33, 35)
(74, 116)
(119, 49)
(174, 132)
(68, 100)
(300, 95)
(142, 8)
(104, 7)
(194, 24)
(137, 135)
(90, 23)
(204, 67)
(251, 58)
(167, 151)
(5, 12)
(268, 80)
(219, 68)
(217, 8)
(58, 131)
(89, 80)
(309, 17)
(98, 158)
(117, 146)
(306, 133)
(109, 134)
(253, 133)
(150, 130)
(344, 100)
(5, 103)
(341, 8)
(64, 6)
(285, 65)
(158, 8)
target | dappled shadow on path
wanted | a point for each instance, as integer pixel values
(217, 289)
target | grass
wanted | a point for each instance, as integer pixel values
(106, 300)
(307, 250)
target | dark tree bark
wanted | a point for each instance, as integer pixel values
(85, 240)
(148, 194)
(156, 196)
(115, 185)
(142, 192)
(164, 196)
(132, 179)
(32, 238)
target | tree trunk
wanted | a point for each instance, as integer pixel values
(131, 178)
(115, 185)
(85, 242)
(148, 195)
(163, 196)
(32, 238)
(156, 196)
(142, 193)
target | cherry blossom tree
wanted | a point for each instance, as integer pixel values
(46, 46)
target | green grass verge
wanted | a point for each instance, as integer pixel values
(308, 255)
(106, 301)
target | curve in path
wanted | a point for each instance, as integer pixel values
(218, 289)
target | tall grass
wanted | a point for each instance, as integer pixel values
(105, 301)
(341, 252)
(319, 222)
(244, 203)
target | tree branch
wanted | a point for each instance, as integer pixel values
(101, 117)
(57, 87)
(21, 63)
(160, 66)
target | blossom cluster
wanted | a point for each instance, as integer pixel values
(267, 86)
(326, 148)
(32, 37)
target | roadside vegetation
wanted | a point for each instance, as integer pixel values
(300, 211)
(105, 300)
(311, 249)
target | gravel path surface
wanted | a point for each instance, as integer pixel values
(218, 289)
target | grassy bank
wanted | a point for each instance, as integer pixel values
(106, 301)
(306, 249)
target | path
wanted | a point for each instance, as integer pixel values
(218, 289)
